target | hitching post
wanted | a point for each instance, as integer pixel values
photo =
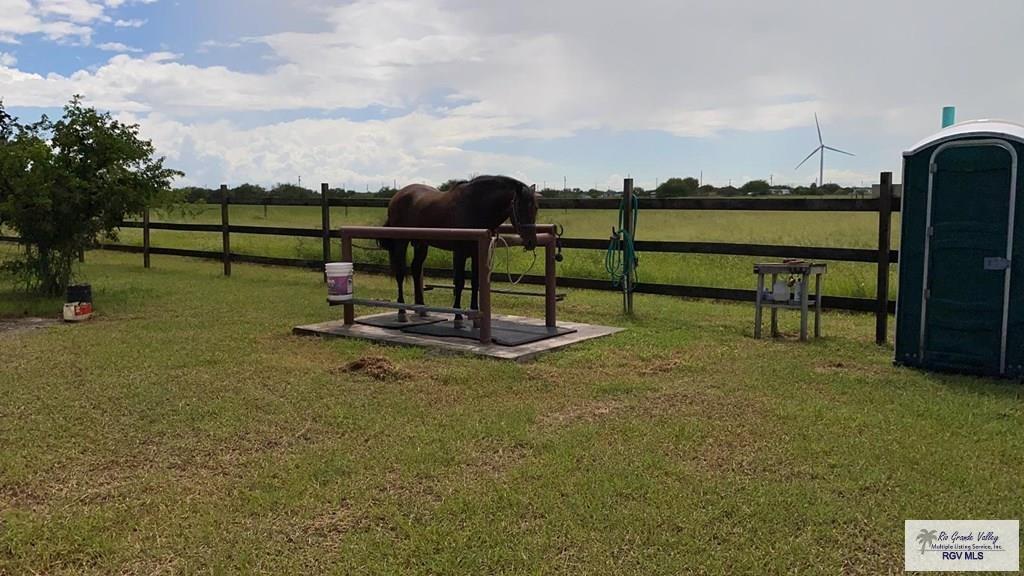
(346, 256)
(325, 217)
(627, 257)
(550, 284)
(884, 245)
(225, 229)
(483, 249)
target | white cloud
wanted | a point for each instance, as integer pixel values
(116, 47)
(79, 11)
(131, 23)
(20, 18)
(118, 3)
(7, 59)
(416, 147)
(59, 20)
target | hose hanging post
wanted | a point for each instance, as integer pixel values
(620, 260)
(628, 260)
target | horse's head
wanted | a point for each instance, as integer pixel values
(524, 214)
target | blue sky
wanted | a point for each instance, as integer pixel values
(361, 93)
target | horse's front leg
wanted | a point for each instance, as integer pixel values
(418, 259)
(459, 270)
(474, 282)
(397, 256)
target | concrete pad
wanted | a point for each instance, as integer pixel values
(524, 353)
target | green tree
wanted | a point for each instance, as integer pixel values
(66, 184)
(756, 188)
(449, 184)
(674, 187)
(830, 189)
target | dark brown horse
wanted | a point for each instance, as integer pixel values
(483, 202)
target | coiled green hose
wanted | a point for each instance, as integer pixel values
(621, 250)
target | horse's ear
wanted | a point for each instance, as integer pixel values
(533, 187)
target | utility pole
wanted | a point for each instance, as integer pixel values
(702, 178)
(565, 183)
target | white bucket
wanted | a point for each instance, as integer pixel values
(780, 291)
(339, 281)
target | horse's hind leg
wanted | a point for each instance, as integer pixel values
(419, 257)
(459, 268)
(397, 255)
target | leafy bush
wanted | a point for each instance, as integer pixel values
(66, 184)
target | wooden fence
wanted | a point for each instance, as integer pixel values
(883, 256)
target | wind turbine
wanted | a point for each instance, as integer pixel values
(821, 148)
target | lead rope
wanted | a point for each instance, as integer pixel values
(508, 260)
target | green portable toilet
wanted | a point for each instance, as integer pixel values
(961, 294)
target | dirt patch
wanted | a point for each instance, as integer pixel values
(334, 521)
(376, 367)
(495, 461)
(16, 326)
(851, 368)
(577, 413)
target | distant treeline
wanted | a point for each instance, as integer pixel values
(256, 193)
(671, 188)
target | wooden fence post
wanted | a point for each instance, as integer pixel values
(627, 258)
(325, 216)
(225, 229)
(145, 238)
(884, 254)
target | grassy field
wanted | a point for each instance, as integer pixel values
(185, 430)
(833, 229)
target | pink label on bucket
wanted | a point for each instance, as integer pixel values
(339, 285)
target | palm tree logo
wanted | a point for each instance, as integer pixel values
(926, 537)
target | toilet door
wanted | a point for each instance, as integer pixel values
(968, 250)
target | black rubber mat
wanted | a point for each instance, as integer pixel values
(503, 332)
(391, 322)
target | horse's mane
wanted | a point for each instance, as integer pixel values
(488, 181)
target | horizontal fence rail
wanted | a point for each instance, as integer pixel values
(883, 256)
(773, 204)
(660, 246)
(736, 294)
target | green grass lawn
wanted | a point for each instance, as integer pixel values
(832, 229)
(184, 430)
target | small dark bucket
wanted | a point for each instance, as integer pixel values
(79, 303)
